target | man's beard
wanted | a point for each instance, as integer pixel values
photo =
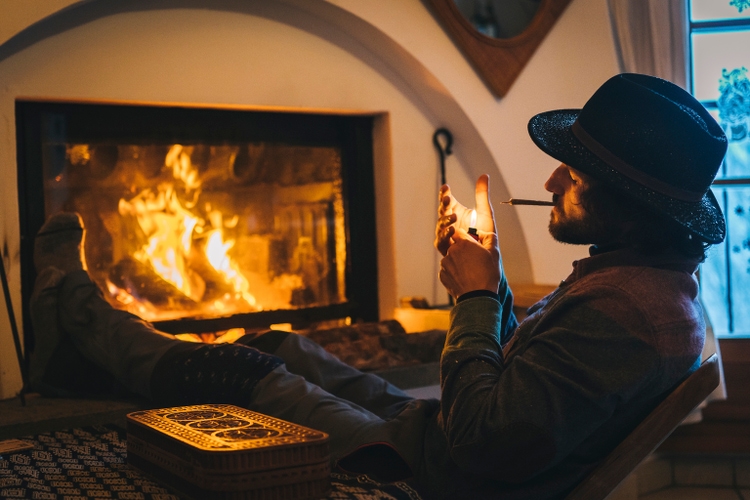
(586, 230)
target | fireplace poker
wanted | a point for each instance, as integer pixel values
(14, 329)
(519, 201)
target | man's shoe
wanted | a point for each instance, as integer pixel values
(59, 243)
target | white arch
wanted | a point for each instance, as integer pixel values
(352, 34)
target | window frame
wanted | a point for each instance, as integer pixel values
(704, 27)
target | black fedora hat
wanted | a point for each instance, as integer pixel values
(649, 138)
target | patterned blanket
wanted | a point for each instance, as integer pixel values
(90, 462)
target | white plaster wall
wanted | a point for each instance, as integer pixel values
(279, 56)
(577, 56)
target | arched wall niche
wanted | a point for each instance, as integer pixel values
(407, 163)
(400, 38)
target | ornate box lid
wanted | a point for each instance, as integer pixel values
(223, 451)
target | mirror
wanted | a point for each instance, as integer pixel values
(499, 18)
(498, 37)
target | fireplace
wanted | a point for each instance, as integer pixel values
(201, 220)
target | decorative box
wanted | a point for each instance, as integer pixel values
(221, 451)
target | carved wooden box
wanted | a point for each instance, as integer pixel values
(226, 452)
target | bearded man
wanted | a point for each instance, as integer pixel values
(598, 353)
(526, 410)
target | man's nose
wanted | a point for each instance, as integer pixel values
(553, 184)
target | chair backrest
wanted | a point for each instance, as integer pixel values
(650, 433)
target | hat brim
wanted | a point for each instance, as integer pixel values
(551, 132)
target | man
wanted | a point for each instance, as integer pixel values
(526, 410)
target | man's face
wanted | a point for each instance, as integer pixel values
(570, 222)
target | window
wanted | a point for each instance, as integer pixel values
(719, 34)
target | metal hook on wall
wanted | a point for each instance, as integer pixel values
(443, 152)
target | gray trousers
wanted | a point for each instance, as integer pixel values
(312, 387)
(315, 389)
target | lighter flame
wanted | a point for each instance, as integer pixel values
(473, 219)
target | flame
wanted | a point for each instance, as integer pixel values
(168, 227)
(182, 168)
(473, 218)
(217, 252)
(167, 217)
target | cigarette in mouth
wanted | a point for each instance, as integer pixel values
(519, 201)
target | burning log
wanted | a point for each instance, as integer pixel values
(216, 283)
(143, 283)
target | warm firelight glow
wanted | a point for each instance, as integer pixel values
(216, 251)
(207, 230)
(168, 218)
(168, 227)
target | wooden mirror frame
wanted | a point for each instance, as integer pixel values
(498, 61)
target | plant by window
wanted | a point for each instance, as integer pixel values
(740, 4)
(734, 103)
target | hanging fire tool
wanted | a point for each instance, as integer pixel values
(443, 152)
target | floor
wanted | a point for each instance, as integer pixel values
(659, 478)
(46, 414)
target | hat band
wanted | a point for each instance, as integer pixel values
(629, 171)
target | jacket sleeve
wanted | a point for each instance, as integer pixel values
(513, 422)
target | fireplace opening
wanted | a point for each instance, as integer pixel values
(202, 219)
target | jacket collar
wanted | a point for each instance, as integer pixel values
(602, 257)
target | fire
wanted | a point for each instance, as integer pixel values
(174, 232)
(217, 252)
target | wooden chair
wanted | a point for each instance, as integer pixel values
(650, 433)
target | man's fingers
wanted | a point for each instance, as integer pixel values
(443, 239)
(444, 198)
(486, 216)
(446, 220)
(482, 194)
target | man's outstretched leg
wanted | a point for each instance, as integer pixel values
(169, 371)
(305, 357)
(56, 367)
(74, 323)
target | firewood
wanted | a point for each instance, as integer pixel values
(142, 282)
